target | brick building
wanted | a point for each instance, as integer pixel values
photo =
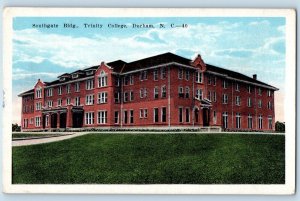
(160, 91)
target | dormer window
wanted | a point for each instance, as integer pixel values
(75, 76)
(62, 79)
(91, 72)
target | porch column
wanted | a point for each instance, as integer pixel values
(69, 118)
(58, 120)
(49, 120)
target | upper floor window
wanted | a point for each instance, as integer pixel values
(238, 100)
(180, 73)
(225, 84)
(89, 99)
(199, 77)
(77, 101)
(163, 73)
(143, 75)
(50, 103)
(117, 81)
(156, 92)
(49, 92)
(155, 74)
(143, 93)
(259, 104)
(59, 90)
(126, 96)
(214, 80)
(131, 79)
(68, 88)
(163, 91)
(77, 86)
(249, 102)
(131, 96)
(38, 106)
(199, 94)
(214, 97)
(117, 97)
(102, 97)
(102, 79)
(237, 86)
(180, 92)
(38, 93)
(225, 99)
(89, 84)
(187, 74)
(59, 102)
(68, 101)
(269, 93)
(74, 75)
(209, 77)
(269, 105)
(126, 80)
(249, 89)
(187, 92)
(259, 91)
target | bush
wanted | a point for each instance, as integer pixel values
(16, 128)
(280, 126)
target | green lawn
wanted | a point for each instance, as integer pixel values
(153, 159)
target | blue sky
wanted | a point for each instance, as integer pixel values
(247, 45)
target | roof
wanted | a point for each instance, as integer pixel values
(31, 91)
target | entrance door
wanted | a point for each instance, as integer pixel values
(205, 117)
(54, 120)
(196, 115)
(44, 121)
(63, 120)
(77, 119)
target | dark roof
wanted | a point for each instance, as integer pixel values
(91, 68)
(26, 92)
(234, 74)
(155, 60)
(117, 65)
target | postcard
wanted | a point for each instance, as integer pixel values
(149, 101)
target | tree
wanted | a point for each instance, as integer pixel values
(280, 126)
(16, 128)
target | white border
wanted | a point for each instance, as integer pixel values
(290, 106)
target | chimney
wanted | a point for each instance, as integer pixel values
(255, 76)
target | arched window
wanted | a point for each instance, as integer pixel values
(102, 80)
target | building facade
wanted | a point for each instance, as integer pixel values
(163, 91)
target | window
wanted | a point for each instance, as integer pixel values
(117, 97)
(163, 114)
(225, 84)
(143, 113)
(199, 77)
(143, 93)
(116, 117)
(155, 115)
(163, 91)
(37, 121)
(180, 92)
(214, 80)
(180, 113)
(269, 105)
(131, 96)
(215, 96)
(131, 79)
(237, 86)
(214, 117)
(209, 79)
(238, 100)
(50, 103)
(126, 80)
(249, 102)
(225, 120)
(238, 120)
(209, 95)
(199, 94)
(125, 117)
(117, 81)
(49, 92)
(89, 99)
(259, 104)
(155, 74)
(77, 86)
(249, 89)
(187, 74)
(38, 93)
(102, 79)
(259, 91)
(143, 75)
(77, 101)
(250, 125)
(59, 90)
(270, 122)
(187, 115)
(68, 88)
(131, 116)
(38, 106)
(269, 93)
(68, 101)
(163, 73)
(126, 96)
(59, 102)
(102, 97)
(156, 92)
(180, 73)
(89, 118)
(102, 117)
(225, 99)
(75, 75)
(260, 122)
(187, 92)
(89, 84)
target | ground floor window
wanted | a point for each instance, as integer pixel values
(47, 120)
(270, 122)
(260, 122)
(164, 114)
(250, 121)
(37, 121)
(131, 116)
(238, 120)
(155, 115)
(180, 113)
(116, 117)
(102, 117)
(225, 119)
(215, 117)
(187, 115)
(125, 117)
(89, 118)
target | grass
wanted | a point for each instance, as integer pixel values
(153, 159)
